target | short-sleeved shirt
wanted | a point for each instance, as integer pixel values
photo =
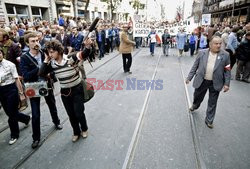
(8, 72)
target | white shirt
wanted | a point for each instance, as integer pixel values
(8, 72)
(210, 66)
(107, 34)
(152, 38)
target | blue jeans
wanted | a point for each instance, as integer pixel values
(35, 109)
(165, 49)
(152, 48)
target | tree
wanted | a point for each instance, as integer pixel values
(112, 5)
(162, 12)
(137, 5)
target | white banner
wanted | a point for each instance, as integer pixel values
(143, 30)
(206, 19)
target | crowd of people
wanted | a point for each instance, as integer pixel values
(39, 52)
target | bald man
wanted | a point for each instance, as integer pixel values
(212, 72)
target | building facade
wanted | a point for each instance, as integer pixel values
(230, 11)
(14, 10)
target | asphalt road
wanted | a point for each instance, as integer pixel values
(140, 128)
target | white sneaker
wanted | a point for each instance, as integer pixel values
(84, 134)
(12, 141)
(75, 138)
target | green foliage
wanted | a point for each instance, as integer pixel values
(137, 5)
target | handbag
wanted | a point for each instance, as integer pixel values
(23, 104)
(186, 47)
(88, 91)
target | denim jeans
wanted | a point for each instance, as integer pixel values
(152, 48)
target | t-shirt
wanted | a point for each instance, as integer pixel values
(8, 72)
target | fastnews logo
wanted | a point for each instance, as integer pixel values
(131, 84)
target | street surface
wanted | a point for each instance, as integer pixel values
(140, 129)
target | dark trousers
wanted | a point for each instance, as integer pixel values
(101, 49)
(152, 48)
(127, 61)
(137, 42)
(35, 109)
(232, 58)
(111, 43)
(244, 68)
(107, 45)
(192, 49)
(72, 99)
(9, 98)
(199, 95)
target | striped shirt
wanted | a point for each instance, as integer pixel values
(67, 75)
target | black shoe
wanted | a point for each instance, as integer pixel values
(237, 78)
(246, 80)
(129, 72)
(58, 126)
(209, 125)
(193, 108)
(28, 121)
(35, 144)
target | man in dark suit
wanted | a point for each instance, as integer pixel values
(212, 72)
(29, 65)
(64, 39)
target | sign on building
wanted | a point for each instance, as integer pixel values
(206, 19)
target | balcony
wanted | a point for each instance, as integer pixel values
(63, 2)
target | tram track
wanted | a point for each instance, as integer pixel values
(198, 152)
(200, 164)
(134, 140)
(52, 129)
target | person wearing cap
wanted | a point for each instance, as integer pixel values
(126, 48)
(10, 91)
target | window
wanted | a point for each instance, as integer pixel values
(35, 11)
(21, 10)
(10, 9)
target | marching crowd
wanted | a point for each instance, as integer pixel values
(35, 52)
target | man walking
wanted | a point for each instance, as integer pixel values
(126, 48)
(212, 72)
(30, 63)
(165, 42)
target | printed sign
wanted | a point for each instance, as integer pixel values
(143, 30)
(206, 19)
